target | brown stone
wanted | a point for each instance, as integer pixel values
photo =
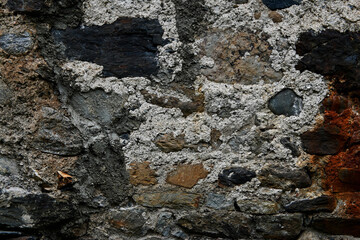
(142, 174)
(215, 138)
(349, 175)
(257, 15)
(187, 175)
(275, 16)
(338, 226)
(169, 143)
(323, 141)
(170, 199)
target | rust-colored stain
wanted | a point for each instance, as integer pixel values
(64, 179)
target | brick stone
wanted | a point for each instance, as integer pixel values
(169, 143)
(319, 204)
(187, 175)
(142, 174)
(170, 199)
(275, 176)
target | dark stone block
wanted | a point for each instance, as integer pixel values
(11, 217)
(16, 44)
(284, 178)
(25, 5)
(217, 224)
(125, 48)
(235, 176)
(286, 103)
(282, 226)
(338, 226)
(349, 175)
(319, 204)
(332, 54)
(288, 144)
(280, 4)
(322, 141)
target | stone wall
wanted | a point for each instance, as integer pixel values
(179, 119)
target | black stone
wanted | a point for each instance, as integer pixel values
(332, 54)
(16, 44)
(280, 4)
(286, 102)
(235, 176)
(9, 234)
(319, 204)
(125, 48)
(337, 226)
(275, 176)
(25, 5)
(288, 144)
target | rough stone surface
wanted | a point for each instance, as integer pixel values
(115, 46)
(170, 199)
(130, 221)
(293, 148)
(319, 204)
(142, 174)
(218, 201)
(275, 16)
(286, 103)
(25, 5)
(16, 44)
(281, 177)
(187, 175)
(337, 226)
(170, 143)
(261, 207)
(349, 175)
(235, 176)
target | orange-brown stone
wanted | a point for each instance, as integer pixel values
(142, 174)
(169, 143)
(275, 16)
(187, 175)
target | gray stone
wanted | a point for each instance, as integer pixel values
(218, 201)
(129, 221)
(286, 102)
(257, 206)
(98, 105)
(57, 135)
(281, 226)
(275, 176)
(218, 224)
(16, 44)
(319, 204)
(163, 225)
(5, 93)
(8, 166)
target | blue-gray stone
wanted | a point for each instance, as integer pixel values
(286, 103)
(218, 201)
(16, 44)
(280, 4)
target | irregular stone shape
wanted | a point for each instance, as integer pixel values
(275, 16)
(170, 199)
(163, 225)
(16, 44)
(337, 226)
(286, 102)
(43, 210)
(349, 175)
(282, 226)
(280, 4)
(187, 108)
(231, 64)
(218, 224)
(8, 166)
(5, 93)
(142, 174)
(129, 221)
(322, 141)
(99, 106)
(288, 144)
(319, 204)
(187, 175)
(125, 48)
(274, 176)
(25, 5)
(57, 135)
(332, 54)
(235, 176)
(215, 138)
(218, 201)
(169, 143)
(261, 207)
